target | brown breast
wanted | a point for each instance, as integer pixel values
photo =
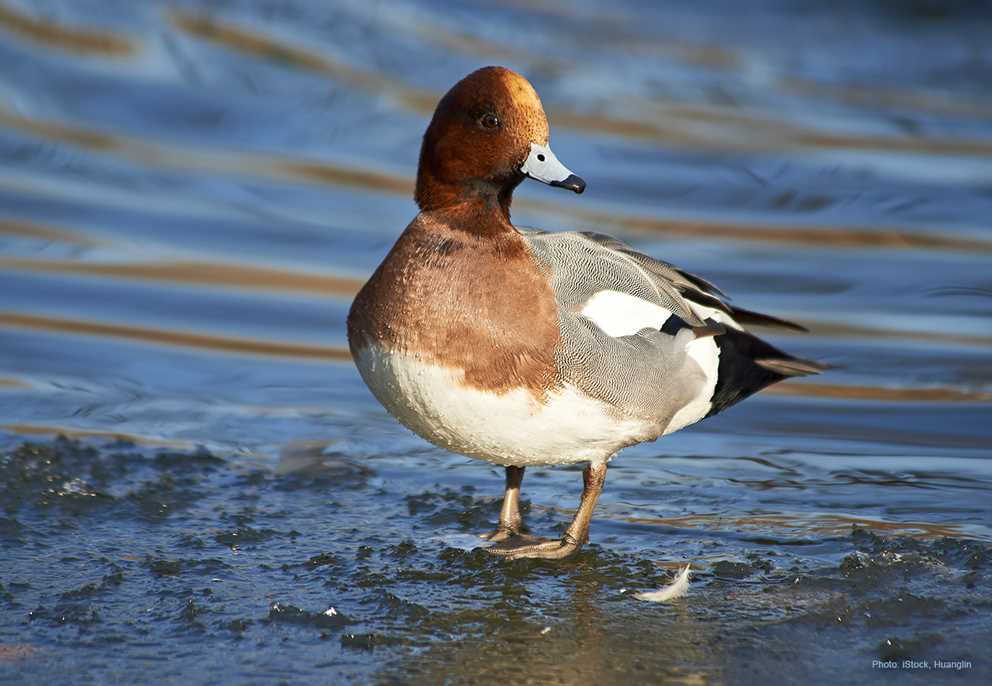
(474, 302)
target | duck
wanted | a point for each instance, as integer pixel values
(523, 347)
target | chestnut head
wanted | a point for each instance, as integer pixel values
(488, 133)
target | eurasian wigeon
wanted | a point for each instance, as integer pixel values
(521, 347)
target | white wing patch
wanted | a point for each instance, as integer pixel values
(621, 314)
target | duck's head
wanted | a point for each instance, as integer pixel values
(488, 133)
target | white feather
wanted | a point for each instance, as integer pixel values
(676, 589)
(621, 314)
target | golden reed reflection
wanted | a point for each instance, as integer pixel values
(706, 55)
(881, 96)
(905, 395)
(477, 46)
(615, 29)
(847, 330)
(256, 44)
(675, 125)
(700, 54)
(336, 175)
(185, 339)
(66, 133)
(675, 129)
(81, 41)
(25, 229)
(51, 430)
(176, 157)
(205, 273)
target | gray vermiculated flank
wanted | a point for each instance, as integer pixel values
(647, 374)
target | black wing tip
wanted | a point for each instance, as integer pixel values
(749, 364)
(704, 285)
(758, 319)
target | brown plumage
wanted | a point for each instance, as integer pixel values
(461, 158)
(492, 315)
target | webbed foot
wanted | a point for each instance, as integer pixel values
(501, 533)
(512, 547)
(547, 549)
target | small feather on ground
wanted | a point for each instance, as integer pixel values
(676, 589)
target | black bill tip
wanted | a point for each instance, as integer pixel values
(572, 183)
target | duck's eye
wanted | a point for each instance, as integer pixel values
(489, 121)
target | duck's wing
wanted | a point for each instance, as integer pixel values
(635, 328)
(702, 295)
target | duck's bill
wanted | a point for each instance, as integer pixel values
(542, 165)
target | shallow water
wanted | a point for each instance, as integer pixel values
(190, 194)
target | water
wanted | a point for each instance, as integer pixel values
(190, 194)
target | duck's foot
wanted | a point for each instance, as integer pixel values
(546, 549)
(510, 521)
(509, 538)
(502, 533)
(578, 531)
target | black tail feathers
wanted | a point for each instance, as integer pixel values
(748, 364)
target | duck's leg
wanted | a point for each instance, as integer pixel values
(593, 478)
(510, 521)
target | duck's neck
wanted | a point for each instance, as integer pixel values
(485, 202)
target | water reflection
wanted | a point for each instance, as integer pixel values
(196, 273)
(77, 40)
(596, 635)
(179, 338)
(762, 132)
(49, 234)
(190, 194)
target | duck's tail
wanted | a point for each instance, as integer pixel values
(748, 364)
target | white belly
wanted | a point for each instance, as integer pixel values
(511, 428)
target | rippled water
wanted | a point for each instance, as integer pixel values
(190, 194)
